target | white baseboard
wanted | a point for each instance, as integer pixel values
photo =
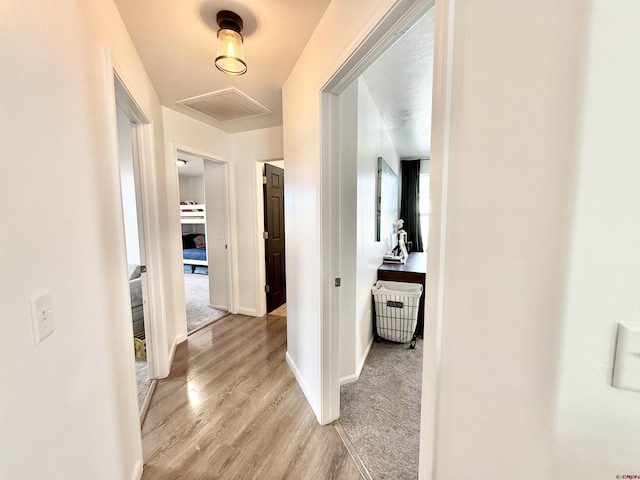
(172, 353)
(303, 385)
(137, 471)
(355, 376)
(252, 312)
(179, 339)
(349, 379)
(364, 357)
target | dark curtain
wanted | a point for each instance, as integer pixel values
(409, 209)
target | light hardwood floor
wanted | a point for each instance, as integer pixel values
(231, 409)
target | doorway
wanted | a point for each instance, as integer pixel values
(128, 120)
(274, 236)
(334, 250)
(261, 217)
(205, 238)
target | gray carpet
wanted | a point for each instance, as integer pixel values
(199, 313)
(142, 380)
(380, 413)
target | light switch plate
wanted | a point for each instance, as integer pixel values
(626, 368)
(41, 315)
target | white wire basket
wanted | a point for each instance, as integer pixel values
(396, 305)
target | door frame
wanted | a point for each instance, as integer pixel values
(232, 259)
(372, 44)
(121, 94)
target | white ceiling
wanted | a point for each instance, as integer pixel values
(194, 166)
(400, 83)
(176, 40)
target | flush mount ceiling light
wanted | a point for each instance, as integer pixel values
(181, 163)
(230, 57)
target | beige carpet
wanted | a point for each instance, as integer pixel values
(196, 292)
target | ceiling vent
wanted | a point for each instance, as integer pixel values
(225, 105)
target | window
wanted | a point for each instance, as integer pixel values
(424, 208)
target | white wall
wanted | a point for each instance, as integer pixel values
(128, 185)
(597, 426)
(328, 47)
(69, 401)
(516, 78)
(373, 141)
(363, 138)
(539, 254)
(191, 188)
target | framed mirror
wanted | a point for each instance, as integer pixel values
(387, 200)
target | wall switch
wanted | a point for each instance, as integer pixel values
(626, 368)
(41, 315)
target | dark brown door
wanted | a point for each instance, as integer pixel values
(274, 242)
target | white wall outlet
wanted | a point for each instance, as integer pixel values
(41, 315)
(626, 369)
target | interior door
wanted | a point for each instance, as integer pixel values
(274, 236)
(215, 195)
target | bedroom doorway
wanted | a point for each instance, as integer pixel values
(335, 247)
(205, 245)
(128, 119)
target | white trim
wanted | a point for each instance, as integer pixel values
(252, 312)
(303, 385)
(364, 357)
(436, 254)
(349, 379)
(232, 238)
(172, 350)
(124, 99)
(156, 321)
(355, 376)
(144, 161)
(137, 470)
(328, 206)
(218, 307)
(146, 184)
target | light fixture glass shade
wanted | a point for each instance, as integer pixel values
(230, 57)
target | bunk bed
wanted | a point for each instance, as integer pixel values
(194, 250)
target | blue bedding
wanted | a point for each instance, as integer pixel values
(194, 253)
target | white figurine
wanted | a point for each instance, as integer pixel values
(402, 239)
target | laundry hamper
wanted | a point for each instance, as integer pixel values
(396, 306)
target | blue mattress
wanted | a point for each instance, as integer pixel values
(194, 253)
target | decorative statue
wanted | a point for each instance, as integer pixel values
(402, 239)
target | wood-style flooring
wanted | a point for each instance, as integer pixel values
(231, 409)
